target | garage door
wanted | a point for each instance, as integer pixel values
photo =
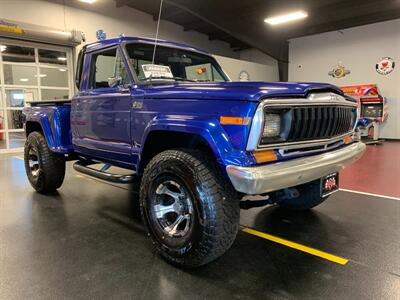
(29, 72)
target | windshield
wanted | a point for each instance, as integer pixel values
(184, 65)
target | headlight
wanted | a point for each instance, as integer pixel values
(272, 125)
(269, 126)
(277, 123)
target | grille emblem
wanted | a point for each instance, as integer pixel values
(335, 97)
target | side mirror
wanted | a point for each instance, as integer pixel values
(114, 81)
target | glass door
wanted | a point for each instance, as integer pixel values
(29, 72)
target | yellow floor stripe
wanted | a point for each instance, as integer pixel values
(312, 251)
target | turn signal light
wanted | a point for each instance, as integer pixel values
(234, 120)
(348, 140)
(264, 156)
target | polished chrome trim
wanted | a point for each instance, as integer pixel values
(302, 151)
(256, 129)
(314, 99)
(279, 175)
(303, 144)
(303, 102)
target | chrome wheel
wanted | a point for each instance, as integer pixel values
(34, 166)
(172, 208)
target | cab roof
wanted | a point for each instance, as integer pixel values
(119, 40)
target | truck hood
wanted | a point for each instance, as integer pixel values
(249, 91)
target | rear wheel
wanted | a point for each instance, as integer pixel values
(309, 197)
(44, 168)
(190, 210)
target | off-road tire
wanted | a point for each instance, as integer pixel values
(310, 196)
(51, 165)
(216, 204)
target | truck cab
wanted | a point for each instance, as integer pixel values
(196, 142)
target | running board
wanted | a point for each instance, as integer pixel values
(83, 167)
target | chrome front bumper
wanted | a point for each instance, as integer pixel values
(276, 176)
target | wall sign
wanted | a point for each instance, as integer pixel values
(10, 27)
(244, 76)
(385, 66)
(339, 71)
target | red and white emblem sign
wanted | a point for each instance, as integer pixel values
(385, 66)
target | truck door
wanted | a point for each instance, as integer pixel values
(101, 112)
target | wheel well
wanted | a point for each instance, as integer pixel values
(159, 141)
(31, 127)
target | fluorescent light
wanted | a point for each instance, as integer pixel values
(62, 58)
(3, 48)
(88, 1)
(286, 18)
(62, 70)
(41, 75)
(24, 79)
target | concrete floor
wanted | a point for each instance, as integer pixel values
(87, 241)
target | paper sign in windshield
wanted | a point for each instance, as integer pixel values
(157, 71)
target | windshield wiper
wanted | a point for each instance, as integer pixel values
(166, 77)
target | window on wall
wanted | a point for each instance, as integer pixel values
(29, 72)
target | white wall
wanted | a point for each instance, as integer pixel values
(104, 15)
(358, 49)
(255, 55)
(257, 72)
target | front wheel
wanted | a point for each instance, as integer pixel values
(44, 168)
(190, 210)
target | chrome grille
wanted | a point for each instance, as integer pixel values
(316, 123)
(320, 122)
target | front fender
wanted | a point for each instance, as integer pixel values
(209, 129)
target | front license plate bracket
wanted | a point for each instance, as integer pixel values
(329, 184)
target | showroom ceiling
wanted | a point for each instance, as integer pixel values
(241, 23)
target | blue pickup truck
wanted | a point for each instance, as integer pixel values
(197, 142)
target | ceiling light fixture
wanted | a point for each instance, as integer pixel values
(286, 18)
(23, 79)
(3, 48)
(62, 70)
(62, 58)
(88, 1)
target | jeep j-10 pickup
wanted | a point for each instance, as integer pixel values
(196, 142)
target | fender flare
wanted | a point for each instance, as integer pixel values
(208, 129)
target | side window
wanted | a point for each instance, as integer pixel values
(108, 65)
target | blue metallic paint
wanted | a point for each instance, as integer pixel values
(195, 117)
(55, 124)
(106, 127)
(249, 91)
